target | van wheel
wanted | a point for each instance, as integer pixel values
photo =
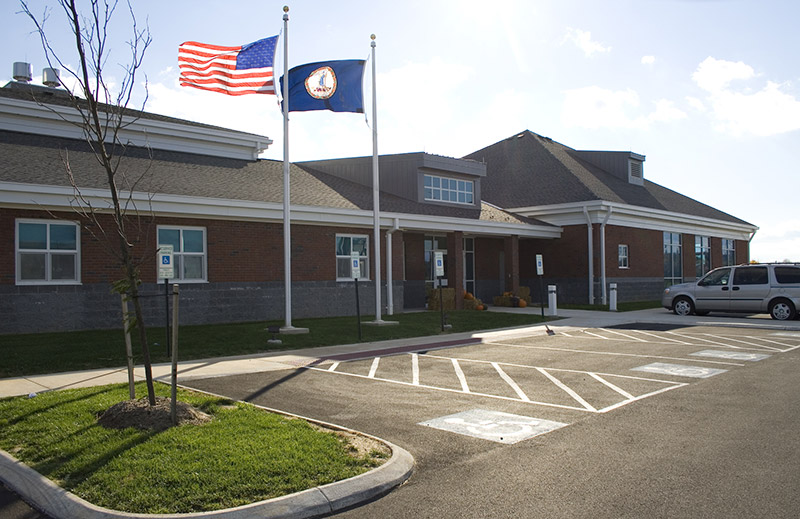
(683, 306)
(782, 310)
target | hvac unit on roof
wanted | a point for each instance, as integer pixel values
(22, 71)
(50, 77)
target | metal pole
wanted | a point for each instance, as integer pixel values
(174, 403)
(287, 227)
(358, 310)
(166, 306)
(376, 190)
(441, 302)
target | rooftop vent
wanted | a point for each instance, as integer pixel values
(50, 77)
(22, 72)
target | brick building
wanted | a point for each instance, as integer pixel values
(204, 190)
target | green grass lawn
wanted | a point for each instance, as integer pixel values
(30, 354)
(243, 455)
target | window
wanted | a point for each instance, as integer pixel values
(48, 252)
(469, 265)
(702, 255)
(728, 252)
(434, 244)
(450, 190)
(189, 251)
(673, 268)
(623, 256)
(346, 244)
(790, 275)
(717, 278)
(750, 276)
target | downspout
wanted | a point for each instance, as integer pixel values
(603, 254)
(752, 235)
(389, 280)
(591, 254)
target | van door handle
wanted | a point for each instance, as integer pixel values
(724, 289)
(736, 288)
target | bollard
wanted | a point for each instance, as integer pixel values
(612, 304)
(552, 302)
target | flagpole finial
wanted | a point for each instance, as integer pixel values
(372, 37)
(285, 8)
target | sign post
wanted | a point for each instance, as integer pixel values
(438, 270)
(355, 273)
(166, 270)
(540, 273)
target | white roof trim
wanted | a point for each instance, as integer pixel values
(61, 121)
(41, 197)
(625, 215)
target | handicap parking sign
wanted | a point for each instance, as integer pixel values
(166, 270)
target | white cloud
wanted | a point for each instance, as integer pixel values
(769, 111)
(715, 75)
(583, 40)
(595, 107)
(648, 60)
(696, 103)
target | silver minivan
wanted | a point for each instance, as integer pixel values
(753, 288)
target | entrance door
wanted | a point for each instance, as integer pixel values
(469, 265)
(434, 244)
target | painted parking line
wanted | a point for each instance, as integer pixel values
(639, 387)
(609, 353)
(495, 426)
(680, 370)
(734, 355)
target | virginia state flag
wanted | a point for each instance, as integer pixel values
(327, 85)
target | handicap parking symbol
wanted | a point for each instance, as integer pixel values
(494, 425)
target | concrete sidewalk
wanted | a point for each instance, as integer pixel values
(286, 360)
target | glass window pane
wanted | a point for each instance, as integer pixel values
(428, 193)
(342, 267)
(170, 237)
(192, 241)
(436, 195)
(428, 181)
(360, 246)
(441, 243)
(364, 266)
(469, 198)
(31, 267)
(435, 181)
(469, 267)
(192, 267)
(469, 187)
(63, 237)
(462, 186)
(62, 266)
(32, 236)
(342, 246)
(462, 197)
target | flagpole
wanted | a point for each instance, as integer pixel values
(287, 227)
(376, 241)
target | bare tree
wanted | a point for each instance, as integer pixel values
(103, 115)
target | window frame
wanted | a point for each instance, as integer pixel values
(468, 191)
(47, 252)
(181, 254)
(673, 250)
(623, 265)
(365, 276)
(728, 252)
(702, 256)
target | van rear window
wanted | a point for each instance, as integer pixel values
(790, 275)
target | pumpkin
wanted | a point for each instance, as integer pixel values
(479, 307)
(523, 303)
(469, 296)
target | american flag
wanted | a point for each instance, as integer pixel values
(235, 71)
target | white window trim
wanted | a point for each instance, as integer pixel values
(726, 250)
(47, 252)
(452, 202)
(627, 256)
(178, 278)
(365, 276)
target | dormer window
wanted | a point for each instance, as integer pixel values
(449, 190)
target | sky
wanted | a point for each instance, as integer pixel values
(707, 90)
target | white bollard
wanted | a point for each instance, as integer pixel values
(552, 303)
(612, 303)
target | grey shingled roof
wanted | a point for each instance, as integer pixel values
(530, 170)
(37, 159)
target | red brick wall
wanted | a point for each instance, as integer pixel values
(237, 251)
(487, 252)
(645, 252)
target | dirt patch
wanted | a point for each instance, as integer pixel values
(140, 414)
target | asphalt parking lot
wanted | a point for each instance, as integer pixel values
(628, 421)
